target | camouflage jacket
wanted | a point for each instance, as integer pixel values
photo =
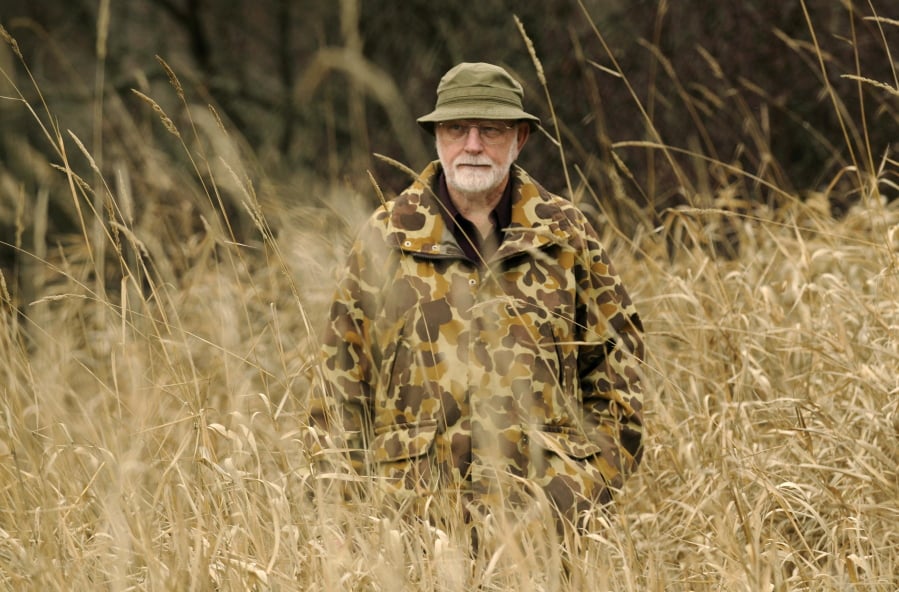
(523, 372)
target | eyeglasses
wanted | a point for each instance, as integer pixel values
(491, 132)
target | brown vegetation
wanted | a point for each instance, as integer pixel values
(170, 232)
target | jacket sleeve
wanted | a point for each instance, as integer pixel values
(611, 354)
(340, 410)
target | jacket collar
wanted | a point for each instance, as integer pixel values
(416, 226)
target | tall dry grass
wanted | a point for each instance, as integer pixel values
(155, 363)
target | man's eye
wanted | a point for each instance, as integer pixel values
(490, 131)
(455, 128)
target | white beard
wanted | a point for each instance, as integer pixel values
(477, 180)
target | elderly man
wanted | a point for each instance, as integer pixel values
(480, 342)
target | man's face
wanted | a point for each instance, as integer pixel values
(476, 153)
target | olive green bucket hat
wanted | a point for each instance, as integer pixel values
(477, 91)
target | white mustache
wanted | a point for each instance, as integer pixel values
(473, 161)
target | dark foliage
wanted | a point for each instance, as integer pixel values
(320, 86)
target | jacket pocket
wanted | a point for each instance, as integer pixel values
(576, 471)
(565, 442)
(401, 456)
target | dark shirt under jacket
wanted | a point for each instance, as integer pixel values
(475, 247)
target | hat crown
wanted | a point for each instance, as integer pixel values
(477, 90)
(485, 79)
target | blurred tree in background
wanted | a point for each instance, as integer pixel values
(748, 95)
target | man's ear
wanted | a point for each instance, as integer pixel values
(524, 132)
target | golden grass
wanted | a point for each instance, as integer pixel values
(152, 399)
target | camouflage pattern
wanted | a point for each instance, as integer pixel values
(497, 381)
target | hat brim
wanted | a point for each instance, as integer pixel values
(452, 112)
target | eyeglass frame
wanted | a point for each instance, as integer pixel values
(500, 125)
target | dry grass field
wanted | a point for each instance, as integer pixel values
(155, 363)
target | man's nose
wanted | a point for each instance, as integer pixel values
(473, 141)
